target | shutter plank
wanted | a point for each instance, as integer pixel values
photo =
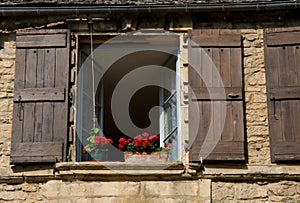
(48, 110)
(287, 151)
(238, 121)
(61, 109)
(283, 38)
(206, 66)
(40, 94)
(234, 151)
(221, 40)
(18, 111)
(287, 116)
(225, 69)
(280, 93)
(236, 60)
(231, 93)
(296, 120)
(283, 63)
(227, 131)
(272, 68)
(30, 41)
(39, 106)
(30, 82)
(38, 151)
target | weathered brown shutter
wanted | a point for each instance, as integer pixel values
(40, 113)
(224, 49)
(282, 62)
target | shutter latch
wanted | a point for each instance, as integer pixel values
(20, 109)
(274, 107)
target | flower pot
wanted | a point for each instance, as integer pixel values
(99, 155)
(156, 157)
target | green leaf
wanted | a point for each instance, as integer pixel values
(95, 130)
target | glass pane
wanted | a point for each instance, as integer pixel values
(170, 116)
(173, 141)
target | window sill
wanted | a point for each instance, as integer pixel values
(108, 170)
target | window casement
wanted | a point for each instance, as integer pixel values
(114, 60)
(282, 61)
(42, 100)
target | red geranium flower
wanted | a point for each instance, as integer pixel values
(138, 143)
(121, 146)
(146, 143)
(122, 140)
(145, 134)
(142, 143)
(153, 138)
(138, 137)
(97, 140)
(84, 150)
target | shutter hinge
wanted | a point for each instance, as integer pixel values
(71, 97)
(73, 40)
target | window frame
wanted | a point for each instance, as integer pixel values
(78, 156)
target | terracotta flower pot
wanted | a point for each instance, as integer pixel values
(161, 157)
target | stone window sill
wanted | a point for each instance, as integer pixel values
(103, 170)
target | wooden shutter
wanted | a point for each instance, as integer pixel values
(282, 62)
(222, 49)
(40, 112)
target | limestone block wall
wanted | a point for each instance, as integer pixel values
(255, 97)
(7, 64)
(114, 192)
(251, 182)
(283, 191)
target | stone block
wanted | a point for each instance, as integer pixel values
(6, 64)
(12, 195)
(257, 78)
(257, 106)
(280, 199)
(112, 200)
(158, 188)
(29, 188)
(222, 192)
(205, 188)
(35, 196)
(246, 44)
(250, 51)
(51, 189)
(257, 130)
(252, 117)
(251, 37)
(10, 45)
(112, 188)
(284, 188)
(164, 200)
(261, 89)
(250, 191)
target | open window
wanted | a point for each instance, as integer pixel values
(115, 60)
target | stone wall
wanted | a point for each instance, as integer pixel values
(114, 192)
(258, 180)
(7, 63)
(285, 191)
(256, 98)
